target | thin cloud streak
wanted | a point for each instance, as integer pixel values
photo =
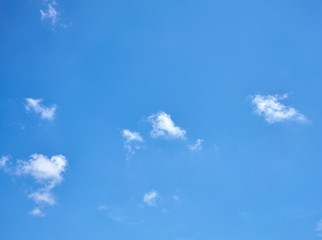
(197, 146)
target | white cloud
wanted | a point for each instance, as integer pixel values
(43, 169)
(37, 212)
(274, 111)
(132, 136)
(51, 14)
(132, 141)
(47, 113)
(3, 161)
(150, 198)
(47, 172)
(43, 197)
(163, 126)
(196, 146)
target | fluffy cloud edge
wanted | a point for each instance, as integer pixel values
(273, 111)
(150, 198)
(163, 126)
(34, 105)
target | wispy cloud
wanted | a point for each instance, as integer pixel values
(43, 196)
(37, 212)
(50, 13)
(319, 228)
(47, 172)
(132, 141)
(163, 126)
(176, 198)
(114, 213)
(196, 146)
(35, 105)
(150, 198)
(274, 111)
(118, 214)
(3, 161)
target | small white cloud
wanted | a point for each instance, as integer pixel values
(163, 126)
(150, 198)
(44, 197)
(51, 14)
(47, 172)
(3, 161)
(43, 169)
(37, 212)
(274, 111)
(47, 113)
(196, 146)
(132, 141)
(132, 136)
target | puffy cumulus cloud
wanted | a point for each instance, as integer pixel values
(150, 198)
(43, 169)
(196, 146)
(274, 111)
(3, 161)
(34, 105)
(47, 172)
(132, 141)
(163, 126)
(51, 13)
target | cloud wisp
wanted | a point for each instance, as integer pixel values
(197, 146)
(274, 111)
(47, 174)
(319, 228)
(50, 14)
(46, 171)
(47, 113)
(37, 212)
(150, 198)
(163, 126)
(132, 141)
(3, 161)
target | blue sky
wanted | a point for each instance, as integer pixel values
(177, 120)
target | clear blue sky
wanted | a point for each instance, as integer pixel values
(162, 120)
